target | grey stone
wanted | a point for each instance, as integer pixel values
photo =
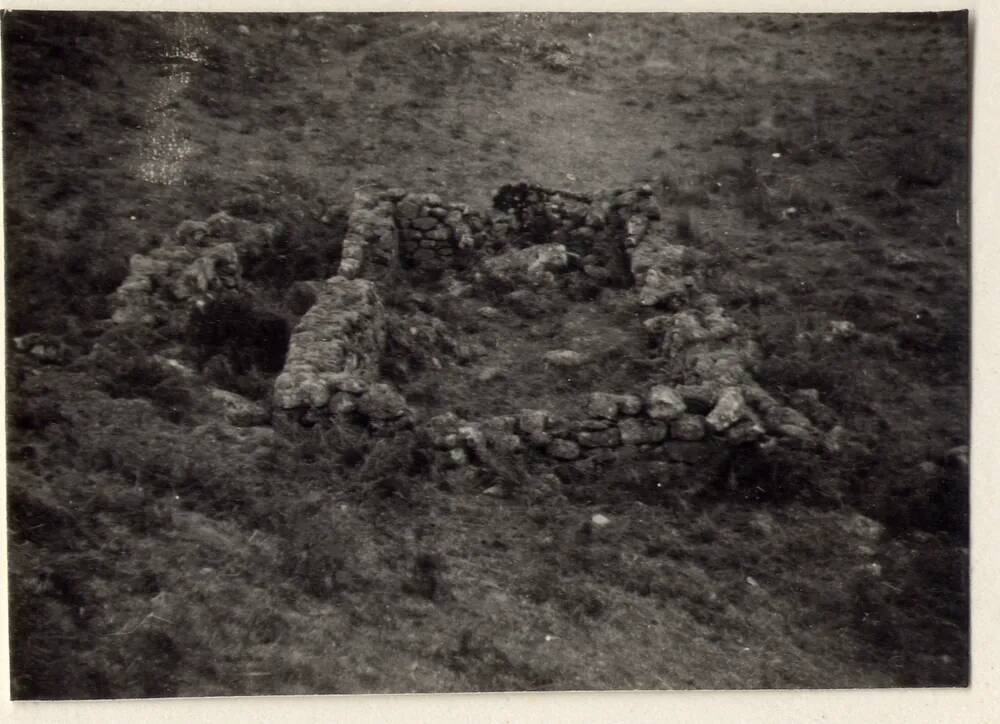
(597, 273)
(688, 427)
(564, 358)
(539, 439)
(663, 403)
(780, 416)
(603, 404)
(660, 288)
(424, 223)
(439, 234)
(592, 425)
(529, 421)
(747, 430)
(489, 374)
(730, 409)
(563, 449)
(638, 432)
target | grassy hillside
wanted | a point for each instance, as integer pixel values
(820, 161)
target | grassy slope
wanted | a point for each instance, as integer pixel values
(143, 565)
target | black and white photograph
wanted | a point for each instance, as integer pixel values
(450, 352)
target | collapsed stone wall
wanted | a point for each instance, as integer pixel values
(202, 260)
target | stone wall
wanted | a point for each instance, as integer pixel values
(335, 347)
(371, 245)
(602, 224)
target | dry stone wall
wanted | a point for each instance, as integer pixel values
(371, 245)
(336, 346)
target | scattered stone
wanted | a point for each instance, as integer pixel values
(565, 358)
(840, 330)
(490, 374)
(495, 491)
(472, 437)
(441, 430)
(489, 312)
(601, 520)
(45, 348)
(863, 527)
(663, 403)
(559, 61)
(901, 260)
